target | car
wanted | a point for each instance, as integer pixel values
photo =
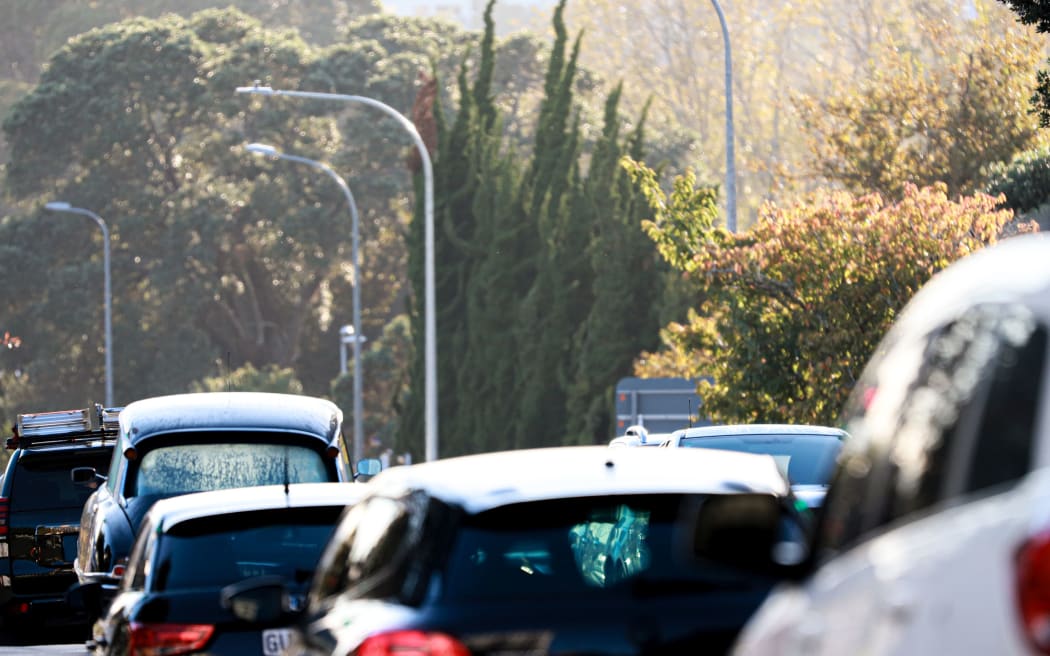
(805, 454)
(935, 537)
(183, 443)
(193, 549)
(40, 508)
(638, 436)
(554, 551)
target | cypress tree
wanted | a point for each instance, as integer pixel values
(627, 285)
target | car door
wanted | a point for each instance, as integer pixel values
(102, 504)
(925, 505)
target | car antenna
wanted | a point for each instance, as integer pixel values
(286, 472)
(689, 419)
(229, 378)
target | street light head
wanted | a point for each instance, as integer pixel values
(58, 206)
(261, 149)
(260, 90)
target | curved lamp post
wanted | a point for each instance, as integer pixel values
(270, 151)
(429, 311)
(730, 156)
(58, 206)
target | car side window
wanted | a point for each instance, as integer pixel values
(114, 466)
(1002, 446)
(138, 565)
(372, 534)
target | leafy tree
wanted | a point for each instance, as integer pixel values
(1025, 181)
(249, 379)
(918, 120)
(794, 307)
(1037, 13)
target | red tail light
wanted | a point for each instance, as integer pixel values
(4, 508)
(167, 639)
(1033, 590)
(411, 643)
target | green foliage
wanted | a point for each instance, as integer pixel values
(1025, 181)
(249, 379)
(794, 307)
(916, 122)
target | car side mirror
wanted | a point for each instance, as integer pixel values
(85, 476)
(368, 468)
(85, 597)
(757, 533)
(263, 599)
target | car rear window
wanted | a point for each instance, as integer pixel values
(582, 549)
(803, 459)
(184, 468)
(43, 481)
(217, 551)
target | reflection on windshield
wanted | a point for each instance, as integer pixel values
(185, 468)
(803, 459)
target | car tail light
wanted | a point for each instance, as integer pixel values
(1033, 590)
(5, 506)
(167, 639)
(411, 643)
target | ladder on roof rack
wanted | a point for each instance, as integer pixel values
(64, 426)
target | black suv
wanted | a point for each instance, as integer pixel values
(40, 508)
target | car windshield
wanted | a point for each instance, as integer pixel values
(803, 459)
(44, 481)
(184, 468)
(216, 551)
(590, 548)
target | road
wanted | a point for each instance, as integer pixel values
(59, 642)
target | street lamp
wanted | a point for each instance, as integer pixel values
(57, 206)
(429, 304)
(270, 151)
(730, 157)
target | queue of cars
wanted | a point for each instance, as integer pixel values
(932, 536)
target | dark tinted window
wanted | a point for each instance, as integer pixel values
(587, 549)
(1003, 445)
(803, 459)
(372, 538)
(217, 551)
(42, 480)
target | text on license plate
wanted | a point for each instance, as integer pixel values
(274, 641)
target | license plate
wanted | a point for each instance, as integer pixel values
(275, 641)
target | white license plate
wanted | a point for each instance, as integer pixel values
(274, 641)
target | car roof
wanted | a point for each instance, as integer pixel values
(732, 430)
(481, 482)
(204, 411)
(170, 512)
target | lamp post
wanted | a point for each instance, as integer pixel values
(270, 151)
(730, 150)
(57, 206)
(429, 303)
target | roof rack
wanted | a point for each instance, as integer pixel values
(58, 426)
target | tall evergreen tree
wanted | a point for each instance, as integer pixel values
(623, 319)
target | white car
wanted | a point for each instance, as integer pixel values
(805, 454)
(935, 535)
(639, 436)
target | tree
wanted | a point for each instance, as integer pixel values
(919, 120)
(1025, 183)
(793, 308)
(1037, 13)
(249, 379)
